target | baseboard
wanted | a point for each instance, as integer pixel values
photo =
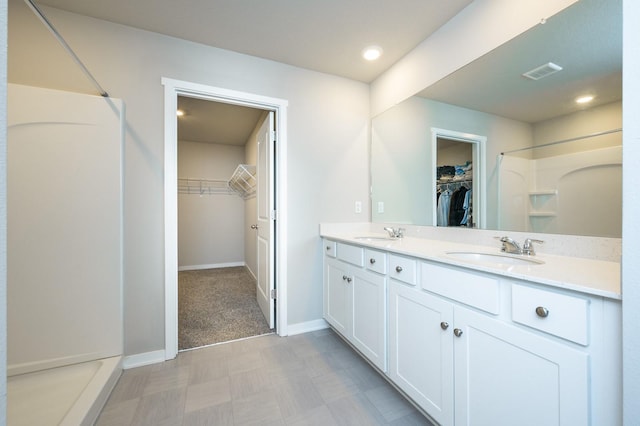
(210, 266)
(305, 327)
(146, 358)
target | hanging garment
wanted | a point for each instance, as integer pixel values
(467, 208)
(442, 217)
(456, 210)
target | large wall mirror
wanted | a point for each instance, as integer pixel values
(550, 164)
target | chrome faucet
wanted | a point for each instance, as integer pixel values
(527, 248)
(510, 246)
(395, 232)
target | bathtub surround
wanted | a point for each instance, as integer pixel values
(217, 305)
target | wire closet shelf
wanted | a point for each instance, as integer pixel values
(241, 183)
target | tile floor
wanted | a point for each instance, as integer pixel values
(307, 379)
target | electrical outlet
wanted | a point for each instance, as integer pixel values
(358, 206)
(380, 206)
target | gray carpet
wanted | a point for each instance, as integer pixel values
(217, 305)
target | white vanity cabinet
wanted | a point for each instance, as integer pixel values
(355, 299)
(478, 348)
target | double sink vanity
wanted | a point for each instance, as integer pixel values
(476, 336)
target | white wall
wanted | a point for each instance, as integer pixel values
(328, 131)
(210, 227)
(586, 122)
(630, 208)
(3, 210)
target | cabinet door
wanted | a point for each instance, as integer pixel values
(337, 296)
(421, 349)
(368, 331)
(509, 376)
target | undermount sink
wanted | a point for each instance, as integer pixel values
(374, 238)
(494, 258)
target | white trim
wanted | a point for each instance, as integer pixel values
(479, 169)
(305, 327)
(210, 266)
(140, 360)
(173, 88)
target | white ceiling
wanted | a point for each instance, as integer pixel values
(326, 36)
(215, 122)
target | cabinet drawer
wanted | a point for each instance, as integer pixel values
(477, 290)
(554, 313)
(375, 261)
(330, 248)
(403, 269)
(350, 254)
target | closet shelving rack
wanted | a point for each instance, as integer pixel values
(243, 180)
(242, 183)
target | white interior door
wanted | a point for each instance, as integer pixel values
(265, 202)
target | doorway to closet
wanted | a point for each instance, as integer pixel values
(223, 184)
(221, 212)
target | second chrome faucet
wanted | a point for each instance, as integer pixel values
(510, 246)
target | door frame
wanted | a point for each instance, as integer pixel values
(173, 89)
(478, 144)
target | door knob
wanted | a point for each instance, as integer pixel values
(256, 227)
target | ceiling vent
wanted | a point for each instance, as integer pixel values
(543, 71)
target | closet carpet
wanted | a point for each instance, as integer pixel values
(217, 305)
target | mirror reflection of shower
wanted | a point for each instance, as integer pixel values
(571, 186)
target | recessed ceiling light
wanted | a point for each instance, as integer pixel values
(584, 99)
(179, 113)
(372, 53)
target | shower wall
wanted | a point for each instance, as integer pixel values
(64, 228)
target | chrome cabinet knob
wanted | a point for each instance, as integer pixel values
(328, 247)
(256, 227)
(398, 269)
(457, 332)
(349, 279)
(542, 312)
(444, 325)
(344, 277)
(372, 261)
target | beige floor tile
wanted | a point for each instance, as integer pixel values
(389, 402)
(173, 377)
(243, 362)
(297, 396)
(332, 386)
(161, 408)
(204, 395)
(118, 413)
(256, 409)
(355, 411)
(250, 382)
(202, 370)
(319, 416)
(218, 415)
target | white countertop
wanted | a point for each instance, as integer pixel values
(595, 277)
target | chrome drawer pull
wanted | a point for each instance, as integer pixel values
(398, 269)
(372, 261)
(542, 312)
(444, 325)
(457, 332)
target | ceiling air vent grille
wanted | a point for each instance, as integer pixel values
(543, 71)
